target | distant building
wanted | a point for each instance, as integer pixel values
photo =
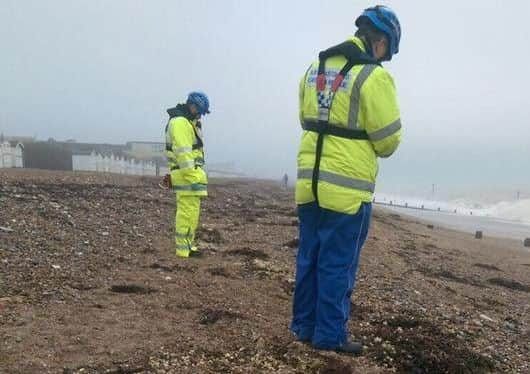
(101, 148)
(17, 139)
(11, 155)
(54, 155)
(149, 151)
(137, 158)
(110, 163)
(146, 150)
(49, 155)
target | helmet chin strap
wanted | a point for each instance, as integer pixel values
(368, 47)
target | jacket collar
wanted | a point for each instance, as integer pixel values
(181, 110)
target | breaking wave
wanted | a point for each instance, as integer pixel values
(518, 210)
(512, 210)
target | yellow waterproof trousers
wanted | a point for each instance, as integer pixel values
(186, 222)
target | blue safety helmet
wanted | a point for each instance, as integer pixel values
(385, 20)
(201, 102)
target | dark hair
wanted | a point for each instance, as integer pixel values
(368, 32)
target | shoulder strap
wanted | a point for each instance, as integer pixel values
(199, 144)
(354, 56)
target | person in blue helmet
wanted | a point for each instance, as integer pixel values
(350, 117)
(187, 178)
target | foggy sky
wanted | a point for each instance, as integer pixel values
(106, 71)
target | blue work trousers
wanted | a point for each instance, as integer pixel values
(326, 266)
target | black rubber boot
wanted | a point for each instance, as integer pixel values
(352, 348)
(195, 254)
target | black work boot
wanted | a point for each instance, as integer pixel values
(195, 253)
(352, 348)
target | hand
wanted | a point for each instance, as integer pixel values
(166, 182)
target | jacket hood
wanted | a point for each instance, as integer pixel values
(181, 110)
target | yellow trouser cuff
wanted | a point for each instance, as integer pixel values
(183, 252)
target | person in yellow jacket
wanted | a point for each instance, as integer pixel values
(184, 151)
(350, 116)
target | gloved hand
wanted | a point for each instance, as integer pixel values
(166, 182)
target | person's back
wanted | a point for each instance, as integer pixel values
(365, 103)
(350, 116)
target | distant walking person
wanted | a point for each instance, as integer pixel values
(350, 116)
(184, 151)
(285, 181)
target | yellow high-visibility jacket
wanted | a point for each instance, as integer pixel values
(365, 101)
(184, 151)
